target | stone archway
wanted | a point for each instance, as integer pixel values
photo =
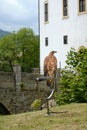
(3, 110)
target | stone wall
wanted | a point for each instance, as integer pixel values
(19, 100)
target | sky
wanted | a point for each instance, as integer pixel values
(16, 14)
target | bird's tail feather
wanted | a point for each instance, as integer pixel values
(48, 83)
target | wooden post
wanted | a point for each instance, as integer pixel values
(38, 90)
(48, 98)
(48, 110)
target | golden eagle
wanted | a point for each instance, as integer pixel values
(50, 66)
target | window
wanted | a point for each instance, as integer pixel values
(82, 5)
(46, 41)
(46, 12)
(65, 8)
(65, 39)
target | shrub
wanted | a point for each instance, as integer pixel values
(73, 80)
(36, 104)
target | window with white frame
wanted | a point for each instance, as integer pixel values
(65, 39)
(46, 12)
(65, 8)
(46, 41)
(82, 5)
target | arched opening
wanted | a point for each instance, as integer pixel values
(3, 110)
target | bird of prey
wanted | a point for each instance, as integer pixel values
(50, 66)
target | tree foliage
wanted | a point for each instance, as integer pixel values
(19, 48)
(73, 81)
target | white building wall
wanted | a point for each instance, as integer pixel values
(75, 27)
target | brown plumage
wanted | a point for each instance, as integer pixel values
(50, 66)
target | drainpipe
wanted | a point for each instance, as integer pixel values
(39, 28)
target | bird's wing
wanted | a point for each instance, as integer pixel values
(52, 66)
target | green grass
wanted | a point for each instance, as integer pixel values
(66, 117)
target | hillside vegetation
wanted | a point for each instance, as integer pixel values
(4, 33)
(65, 117)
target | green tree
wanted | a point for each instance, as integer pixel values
(8, 53)
(73, 81)
(19, 48)
(29, 49)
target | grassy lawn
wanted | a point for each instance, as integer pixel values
(66, 117)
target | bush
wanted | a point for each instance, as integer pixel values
(73, 80)
(36, 104)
